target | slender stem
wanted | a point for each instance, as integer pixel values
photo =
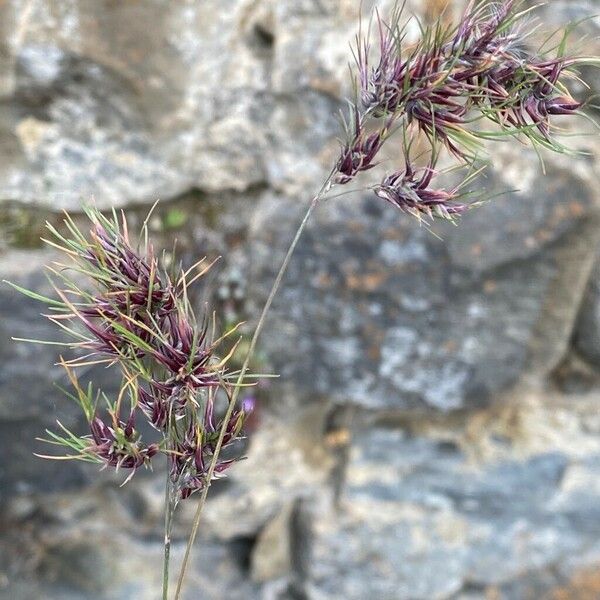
(171, 499)
(169, 510)
(259, 326)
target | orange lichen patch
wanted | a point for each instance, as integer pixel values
(337, 438)
(451, 346)
(324, 280)
(374, 353)
(375, 336)
(393, 233)
(585, 585)
(355, 226)
(543, 235)
(476, 250)
(573, 209)
(490, 286)
(576, 208)
(328, 86)
(367, 282)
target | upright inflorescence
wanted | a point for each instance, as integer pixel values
(444, 88)
(137, 317)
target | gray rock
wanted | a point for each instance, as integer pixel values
(586, 337)
(118, 104)
(394, 318)
(29, 399)
(234, 110)
(417, 520)
(108, 556)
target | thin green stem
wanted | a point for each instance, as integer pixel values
(171, 499)
(169, 510)
(259, 326)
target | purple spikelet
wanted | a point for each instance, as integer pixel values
(443, 88)
(410, 191)
(138, 319)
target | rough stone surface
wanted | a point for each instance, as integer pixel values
(389, 316)
(434, 432)
(418, 519)
(104, 545)
(587, 331)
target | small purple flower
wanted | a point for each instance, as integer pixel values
(562, 105)
(119, 445)
(134, 282)
(359, 153)
(450, 79)
(186, 353)
(484, 28)
(248, 405)
(192, 455)
(154, 405)
(409, 191)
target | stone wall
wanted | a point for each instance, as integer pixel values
(434, 434)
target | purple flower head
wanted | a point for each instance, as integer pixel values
(525, 94)
(562, 105)
(196, 483)
(131, 281)
(154, 405)
(438, 122)
(484, 27)
(410, 191)
(119, 445)
(138, 319)
(380, 89)
(359, 152)
(192, 455)
(187, 354)
(452, 78)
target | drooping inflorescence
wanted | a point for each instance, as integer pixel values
(445, 87)
(134, 315)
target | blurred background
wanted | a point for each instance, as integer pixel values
(435, 432)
